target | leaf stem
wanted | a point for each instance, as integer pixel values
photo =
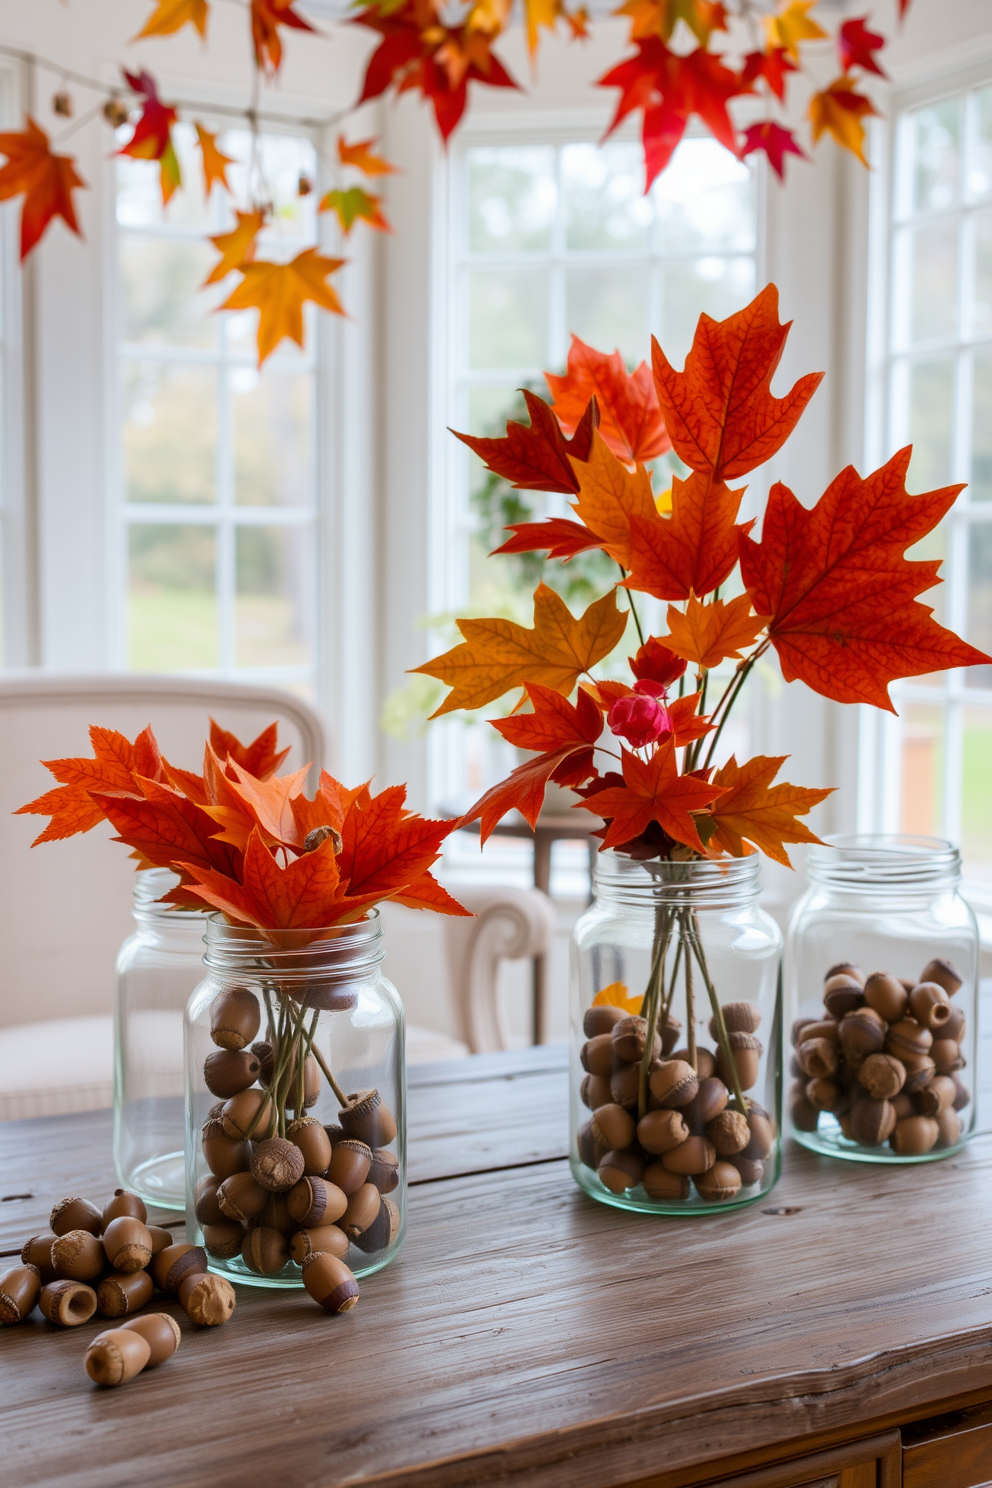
(730, 697)
(696, 945)
(690, 1003)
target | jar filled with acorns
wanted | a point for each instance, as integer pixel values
(881, 973)
(676, 1035)
(295, 1102)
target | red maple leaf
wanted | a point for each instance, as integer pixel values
(46, 182)
(113, 769)
(259, 758)
(857, 46)
(152, 137)
(775, 140)
(840, 592)
(773, 66)
(165, 828)
(535, 458)
(695, 549)
(299, 896)
(652, 792)
(630, 420)
(559, 536)
(266, 18)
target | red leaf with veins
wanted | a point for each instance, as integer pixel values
(535, 458)
(630, 420)
(654, 791)
(300, 896)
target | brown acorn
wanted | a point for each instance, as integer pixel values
(251, 1113)
(930, 1006)
(160, 1332)
(842, 994)
(78, 1256)
(798, 1031)
(601, 1019)
(719, 1183)
(872, 1121)
(222, 1154)
(223, 1241)
(861, 1033)
(75, 1214)
(383, 1230)
(903, 1106)
(886, 995)
(827, 1028)
(915, 1136)
(362, 1211)
(207, 1300)
(660, 1131)
(738, 1017)
(746, 1053)
(265, 1251)
(752, 1170)
(590, 1149)
(368, 1120)
(846, 968)
(276, 1215)
(38, 1252)
(20, 1288)
(597, 1055)
(826, 1095)
(326, 1237)
(673, 1084)
(124, 1204)
(762, 1128)
(710, 1099)
(949, 1127)
(227, 1072)
(819, 1058)
(908, 1038)
(350, 1164)
(882, 1075)
(919, 1072)
(954, 1028)
(619, 1171)
(307, 1133)
(276, 1164)
(943, 973)
(804, 1115)
(669, 1033)
(330, 1282)
(115, 1356)
(963, 1095)
(315, 1201)
(240, 1198)
(629, 1038)
(729, 1132)
(385, 1171)
(595, 1091)
(67, 1303)
(206, 1205)
(235, 1017)
(613, 1126)
(946, 1056)
(127, 1244)
(124, 1293)
(663, 1186)
(172, 1265)
(937, 1095)
(694, 1155)
(625, 1086)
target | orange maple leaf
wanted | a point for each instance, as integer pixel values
(266, 18)
(354, 204)
(237, 247)
(753, 809)
(170, 16)
(652, 792)
(616, 995)
(710, 633)
(359, 154)
(215, 163)
(328, 807)
(300, 896)
(611, 498)
(279, 292)
(692, 551)
(426, 893)
(46, 182)
(166, 828)
(841, 593)
(385, 848)
(497, 655)
(838, 110)
(260, 757)
(630, 419)
(114, 768)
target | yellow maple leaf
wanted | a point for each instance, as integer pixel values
(539, 13)
(359, 154)
(793, 25)
(488, 16)
(758, 811)
(660, 18)
(279, 291)
(171, 15)
(609, 495)
(215, 163)
(707, 634)
(236, 248)
(497, 655)
(838, 110)
(616, 995)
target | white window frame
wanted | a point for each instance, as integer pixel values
(18, 596)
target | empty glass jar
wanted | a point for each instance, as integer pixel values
(157, 969)
(295, 1102)
(881, 974)
(676, 1036)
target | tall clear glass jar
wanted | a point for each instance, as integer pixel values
(881, 977)
(295, 1102)
(675, 1071)
(157, 968)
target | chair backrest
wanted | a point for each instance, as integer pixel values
(65, 906)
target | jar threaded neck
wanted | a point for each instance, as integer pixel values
(885, 863)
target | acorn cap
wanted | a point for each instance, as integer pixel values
(127, 1244)
(276, 1164)
(368, 1119)
(78, 1256)
(322, 1237)
(172, 1265)
(75, 1214)
(223, 1241)
(738, 1017)
(674, 1083)
(330, 1282)
(316, 1201)
(235, 1017)
(67, 1303)
(729, 1133)
(385, 1170)
(720, 1182)
(383, 1230)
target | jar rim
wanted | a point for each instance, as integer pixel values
(321, 952)
(883, 859)
(661, 880)
(149, 886)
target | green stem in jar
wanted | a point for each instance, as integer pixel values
(340, 1096)
(695, 944)
(651, 1004)
(690, 1003)
(670, 994)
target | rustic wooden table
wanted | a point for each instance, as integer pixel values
(528, 1335)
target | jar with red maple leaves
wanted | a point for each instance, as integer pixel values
(881, 971)
(675, 1079)
(295, 1101)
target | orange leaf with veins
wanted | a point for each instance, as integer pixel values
(692, 551)
(653, 792)
(630, 419)
(236, 248)
(299, 896)
(215, 162)
(359, 154)
(278, 291)
(46, 182)
(611, 498)
(426, 893)
(113, 769)
(754, 809)
(260, 757)
(709, 634)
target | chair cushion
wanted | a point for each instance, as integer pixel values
(67, 1064)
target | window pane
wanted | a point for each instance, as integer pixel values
(507, 317)
(976, 818)
(718, 286)
(274, 608)
(981, 308)
(607, 308)
(512, 196)
(170, 432)
(163, 303)
(935, 142)
(931, 423)
(705, 200)
(980, 155)
(605, 206)
(922, 770)
(172, 605)
(981, 428)
(279, 162)
(933, 270)
(139, 192)
(979, 630)
(273, 438)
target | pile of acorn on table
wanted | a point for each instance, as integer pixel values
(689, 1131)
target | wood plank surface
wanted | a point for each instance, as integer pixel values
(528, 1335)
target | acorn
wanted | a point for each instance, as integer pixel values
(660, 1131)
(241, 1198)
(669, 1034)
(949, 1128)
(123, 1293)
(329, 1282)
(124, 1205)
(963, 1094)
(362, 1211)
(385, 1171)
(160, 1332)
(75, 1214)
(265, 1054)
(936, 1095)
(67, 1303)
(746, 1053)
(350, 1164)
(613, 1126)
(595, 1091)
(919, 1072)
(710, 1099)
(752, 1170)
(738, 1017)
(265, 1251)
(629, 1038)
(235, 1018)
(207, 1300)
(311, 1084)
(368, 1120)
(38, 1252)
(915, 1136)
(78, 1256)
(663, 1186)
(115, 1356)
(827, 1028)
(872, 1121)
(908, 1037)
(955, 1026)
(886, 995)
(729, 1133)
(882, 1075)
(826, 1095)
(307, 1133)
(695, 1155)
(315, 1201)
(276, 1215)
(599, 1020)
(227, 1072)
(819, 1058)
(252, 1113)
(903, 1106)
(127, 1244)
(930, 1006)
(798, 1030)
(597, 1055)
(160, 1238)
(223, 1241)
(946, 1056)
(762, 1129)
(20, 1288)
(223, 1156)
(172, 1265)
(625, 1085)
(276, 1164)
(383, 1230)
(590, 1149)
(619, 1171)
(842, 994)
(861, 1033)
(804, 1115)
(943, 973)
(326, 1237)
(719, 1183)
(673, 1084)
(206, 1204)
(848, 969)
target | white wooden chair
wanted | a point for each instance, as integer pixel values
(65, 907)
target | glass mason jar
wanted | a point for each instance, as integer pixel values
(295, 1102)
(882, 1067)
(157, 968)
(675, 1079)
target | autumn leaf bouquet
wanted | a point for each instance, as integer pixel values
(294, 1047)
(828, 589)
